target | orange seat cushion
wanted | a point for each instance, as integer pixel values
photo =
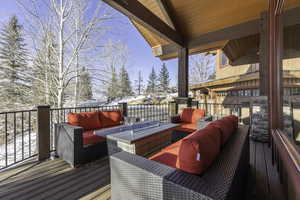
(198, 150)
(187, 127)
(110, 118)
(168, 156)
(86, 120)
(226, 126)
(190, 115)
(89, 138)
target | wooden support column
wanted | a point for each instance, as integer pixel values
(275, 48)
(263, 57)
(43, 130)
(183, 72)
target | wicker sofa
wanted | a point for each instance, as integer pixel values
(135, 177)
(76, 141)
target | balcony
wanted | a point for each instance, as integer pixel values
(54, 178)
(248, 33)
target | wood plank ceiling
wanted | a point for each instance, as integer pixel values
(194, 18)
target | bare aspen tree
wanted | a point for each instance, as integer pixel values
(76, 34)
(202, 68)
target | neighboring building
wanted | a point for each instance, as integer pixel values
(236, 84)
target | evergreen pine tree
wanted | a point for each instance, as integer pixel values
(164, 79)
(139, 86)
(113, 86)
(152, 82)
(13, 62)
(125, 83)
(85, 86)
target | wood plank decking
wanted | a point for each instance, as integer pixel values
(54, 179)
(264, 180)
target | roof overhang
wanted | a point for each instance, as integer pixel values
(199, 25)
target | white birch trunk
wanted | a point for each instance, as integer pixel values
(76, 63)
(60, 96)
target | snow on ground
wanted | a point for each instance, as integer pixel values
(140, 99)
(11, 149)
(145, 99)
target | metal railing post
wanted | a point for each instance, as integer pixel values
(43, 132)
(173, 108)
(124, 109)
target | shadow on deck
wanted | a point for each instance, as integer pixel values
(264, 180)
(54, 179)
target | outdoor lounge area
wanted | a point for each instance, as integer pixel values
(185, 149)
(55, 179)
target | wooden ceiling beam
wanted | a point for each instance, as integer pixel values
(138, 12)
(290, 17)
(166, 12)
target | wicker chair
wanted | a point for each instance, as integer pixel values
(69, 145)
(135, 177)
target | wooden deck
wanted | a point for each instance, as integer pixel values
(264, 180)
(54, 179)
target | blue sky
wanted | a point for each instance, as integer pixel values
(140, 52)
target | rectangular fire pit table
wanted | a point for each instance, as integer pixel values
(142, 138)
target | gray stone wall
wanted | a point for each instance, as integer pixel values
(260, 122)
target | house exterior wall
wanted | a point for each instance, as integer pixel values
(226, 71)
(236, 84)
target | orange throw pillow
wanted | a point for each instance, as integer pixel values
(198, 150)
(186, 115)
(198, 114)
(86, 120)
(110, 118)
(191, 115)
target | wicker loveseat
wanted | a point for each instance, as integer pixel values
(76, 141)
(135, 177)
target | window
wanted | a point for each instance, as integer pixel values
(234, 93)
(295, 91)
(224, 60)
(255, 92)
(247, 93)
(287, 91)
(241, 93)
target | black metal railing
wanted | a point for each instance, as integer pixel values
(17, 136)
(157, 112)
(218, 110)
